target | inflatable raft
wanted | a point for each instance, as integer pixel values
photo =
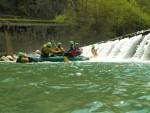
(34, 58)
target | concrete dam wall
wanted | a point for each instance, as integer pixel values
(26, 37)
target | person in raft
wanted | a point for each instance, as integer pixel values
(94, 51)
(46, 50)
(79, 50)
(72, 51)
(22, 58)
(60, 48)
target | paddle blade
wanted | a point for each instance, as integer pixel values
(66, 59)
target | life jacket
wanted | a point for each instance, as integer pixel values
(61, 49)
(22, 59)
(46, 51)
(78, 50)
(73, 53)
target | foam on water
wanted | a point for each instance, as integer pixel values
(134, 49)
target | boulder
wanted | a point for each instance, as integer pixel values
(10, 58)
(15, 57)
(4, 58)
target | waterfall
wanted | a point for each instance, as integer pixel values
(142, 50)
(130, 48)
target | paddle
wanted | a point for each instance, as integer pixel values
(65, 58)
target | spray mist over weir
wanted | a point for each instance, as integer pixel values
(135, 48)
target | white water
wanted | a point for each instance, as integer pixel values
(136, 48)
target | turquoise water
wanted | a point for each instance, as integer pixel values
(75, 88)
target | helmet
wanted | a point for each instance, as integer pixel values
(59, 43)
(93, 46)
(76, 43)
(20, 54)
(49, 44)
(71, 42)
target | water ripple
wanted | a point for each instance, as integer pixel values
(74, 88)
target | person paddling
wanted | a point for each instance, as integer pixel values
(60, 48)
(94, 51)
(79, 50)
(72, 51)
(46, 50)
(22, 58)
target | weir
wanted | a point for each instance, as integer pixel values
(134, 48)
(27, 36)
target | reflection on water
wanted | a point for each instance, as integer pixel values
(74, 88)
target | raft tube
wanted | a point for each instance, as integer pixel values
(34, 58)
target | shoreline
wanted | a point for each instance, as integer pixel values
(8, 57)
(14, 56)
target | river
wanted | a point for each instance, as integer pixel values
(87, 87)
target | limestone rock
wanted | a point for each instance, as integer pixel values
(4, 58)
(10, 58)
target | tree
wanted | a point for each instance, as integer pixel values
(106, 18)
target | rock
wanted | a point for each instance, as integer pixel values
(3, 58)
(15, 57)
(10, 58)
(7, 58)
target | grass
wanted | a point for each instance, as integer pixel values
(27, 20)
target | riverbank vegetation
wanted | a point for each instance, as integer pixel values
(107, 19)
(94, 20)
(27, 20)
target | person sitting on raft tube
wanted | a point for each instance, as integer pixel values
(72, 51)
(79, 50)
(94, 51)
(60, 48)
(46, 50)
(22, 58)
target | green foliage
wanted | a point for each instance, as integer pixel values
(43, 9)
(27, 20)
(60, 19)
(94, 20)
(107, 18)
(144, 5)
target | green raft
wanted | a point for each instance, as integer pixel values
(34, 58)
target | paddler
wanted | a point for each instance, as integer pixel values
(22, 58)
(72, 51)
(46, 50)
(79, 50)
(60, 48)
